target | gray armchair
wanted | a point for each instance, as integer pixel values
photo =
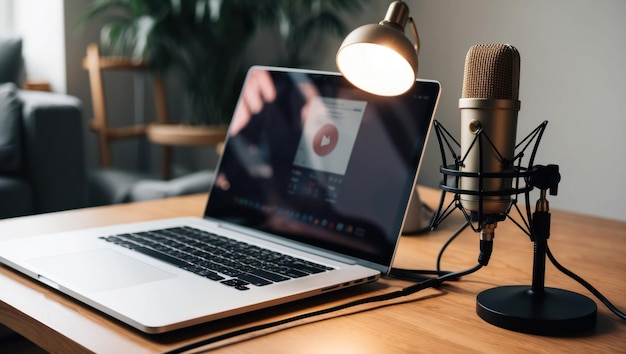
(41, 149)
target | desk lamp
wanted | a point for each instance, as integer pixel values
(379, 58)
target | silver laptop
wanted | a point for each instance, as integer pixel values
(309, 197)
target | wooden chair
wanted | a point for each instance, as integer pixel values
(95, 64)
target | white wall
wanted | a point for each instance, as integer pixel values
(40, 23)
(6, 16)
(573, 74)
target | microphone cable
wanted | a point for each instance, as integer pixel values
(586, 284)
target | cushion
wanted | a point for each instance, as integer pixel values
(111, 186)
(197, 182)
(10, 135)
(10, 59)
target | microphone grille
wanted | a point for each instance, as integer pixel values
(491, 71)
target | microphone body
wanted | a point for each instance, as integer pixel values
(489, 107)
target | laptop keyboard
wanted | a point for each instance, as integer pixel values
(231, 262)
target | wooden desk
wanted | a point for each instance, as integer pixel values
(439, 321)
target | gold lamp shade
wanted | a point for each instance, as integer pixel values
(379, 58)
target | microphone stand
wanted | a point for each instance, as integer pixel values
(537, 309)
(532, 309)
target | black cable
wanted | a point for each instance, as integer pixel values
(428, 283)
(588, 286)
(448, 242)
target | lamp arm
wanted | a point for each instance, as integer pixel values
(417, 37)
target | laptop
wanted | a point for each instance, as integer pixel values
(309, 196)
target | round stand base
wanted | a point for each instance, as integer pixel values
(554, 312)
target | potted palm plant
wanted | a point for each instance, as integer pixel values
(202, 42)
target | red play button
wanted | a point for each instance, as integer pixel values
(325, 140)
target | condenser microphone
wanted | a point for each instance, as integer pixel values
(489, 105)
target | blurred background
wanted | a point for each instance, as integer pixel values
(572, 74)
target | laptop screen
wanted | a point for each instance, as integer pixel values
(311, 158)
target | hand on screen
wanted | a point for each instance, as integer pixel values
(308, 91)
(258, 90)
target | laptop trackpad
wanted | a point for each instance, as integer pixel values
(97, 270)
